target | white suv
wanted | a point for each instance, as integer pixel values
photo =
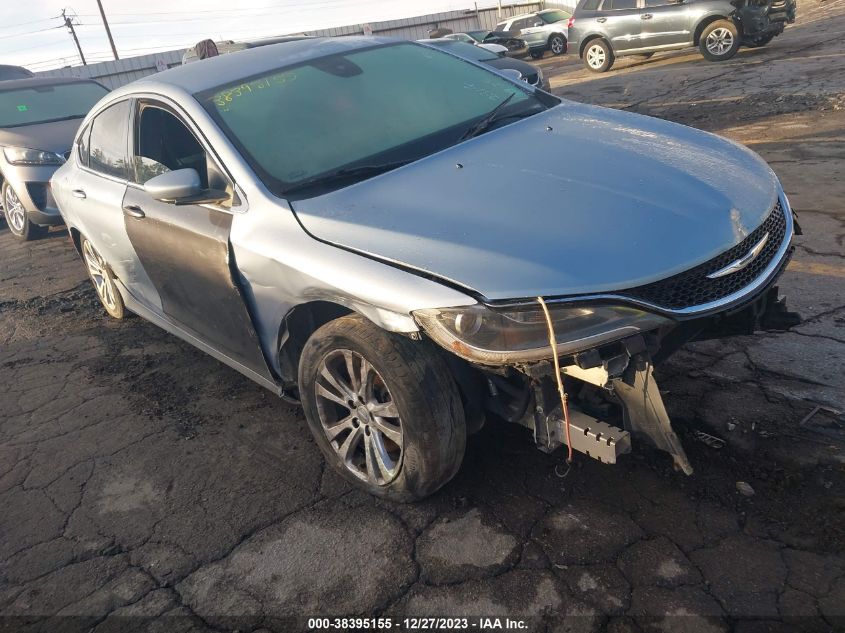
(543, 31)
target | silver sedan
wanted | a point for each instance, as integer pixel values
(408, 243)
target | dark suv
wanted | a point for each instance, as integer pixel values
(602, 30)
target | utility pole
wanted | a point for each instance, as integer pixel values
(108, 30)
(69, 25)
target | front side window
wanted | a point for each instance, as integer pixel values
(590, 5)
(164, 143)
(615, 5)
(46, 103)
(372, 107)
(108, 141)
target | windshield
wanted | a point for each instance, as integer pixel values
(41, 104)
(554, 16)
(374, 107)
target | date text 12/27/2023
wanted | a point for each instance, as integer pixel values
(417, 624)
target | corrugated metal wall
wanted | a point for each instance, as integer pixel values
(117, 73)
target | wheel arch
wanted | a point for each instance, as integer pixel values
(589, 38)
(704, 23)
(556, 33)
(296, 328)
(76, 238)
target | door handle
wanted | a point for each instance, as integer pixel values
(78, 193)
(646, 16)
(601, 19)
(134, 211)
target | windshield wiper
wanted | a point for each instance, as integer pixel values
(482, 124)
(346, 173)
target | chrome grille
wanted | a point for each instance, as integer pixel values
(692, 287)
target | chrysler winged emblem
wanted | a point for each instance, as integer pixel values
(743, 261)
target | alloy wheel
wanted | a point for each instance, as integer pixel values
(719, 41)
(595, 56)
(15, 213)
(103, 282)
(359, 417)
(557, 45)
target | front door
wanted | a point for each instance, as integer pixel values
(665, 24)
(622, 22)
(185, 248)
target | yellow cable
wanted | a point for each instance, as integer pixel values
(563, 397)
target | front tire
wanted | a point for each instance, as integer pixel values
(719, 41)
(103, 279)
(537, 54)
(17, 218)
(557, 44)
(384, 410)
(598, 56)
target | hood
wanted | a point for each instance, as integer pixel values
(52, 137)
(578, 199)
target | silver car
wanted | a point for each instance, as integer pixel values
(543, 31)
(407, 242)
(38, 120)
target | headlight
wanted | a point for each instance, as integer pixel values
(493, 336)
(24, 156)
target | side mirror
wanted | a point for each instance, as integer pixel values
(182, 186)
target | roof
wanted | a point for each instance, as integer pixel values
(224, 69)
(35, 82)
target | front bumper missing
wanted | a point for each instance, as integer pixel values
(630, 379)
(626, 375)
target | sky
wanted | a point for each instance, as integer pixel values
(32, 33)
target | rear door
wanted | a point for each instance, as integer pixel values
(185, 248)
(665, 23)
(98, 187)
(622, 23)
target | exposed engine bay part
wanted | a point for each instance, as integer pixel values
(761, 20)
(645, 414)
(625, 376)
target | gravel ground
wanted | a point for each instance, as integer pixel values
(144, 486)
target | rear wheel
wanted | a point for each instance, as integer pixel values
(557, 44)
(16, 216)
(384, 410)
(103, 280)
(598, 56)
(719, 41)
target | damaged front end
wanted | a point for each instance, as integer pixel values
(608, 346)
(761, 20)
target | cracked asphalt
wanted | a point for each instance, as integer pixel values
(144, 486)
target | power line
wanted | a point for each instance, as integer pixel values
(49, 28)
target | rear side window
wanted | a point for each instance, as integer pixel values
(590, 5)
(108, 141)
(615, 5)
(82, 145)
(501, 26)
